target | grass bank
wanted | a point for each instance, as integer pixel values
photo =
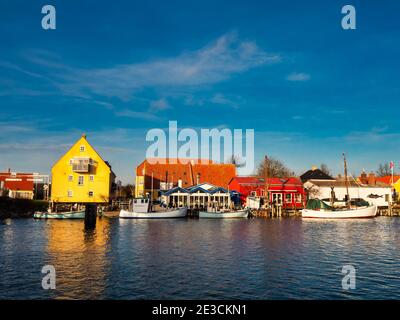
(20, 208)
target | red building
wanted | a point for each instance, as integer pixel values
(288, 192)
(17, 185)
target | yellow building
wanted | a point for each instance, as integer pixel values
(82, 176)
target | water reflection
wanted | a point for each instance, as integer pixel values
(79, 257)
(201, 259)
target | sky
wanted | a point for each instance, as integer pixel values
(114, 70)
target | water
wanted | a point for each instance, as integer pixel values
(201, 259)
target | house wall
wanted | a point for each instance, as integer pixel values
(101, 185)
(355, 192)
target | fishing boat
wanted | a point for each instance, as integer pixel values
(144, 209)
(224, 214)
(316, 208)
(322, 210)
(60, 215)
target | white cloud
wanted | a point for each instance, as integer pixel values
(159, 105)
(213, 63)
(298, 77)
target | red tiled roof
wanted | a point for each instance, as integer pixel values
(187, 170)
(387, 179)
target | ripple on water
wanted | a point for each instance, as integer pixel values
(201, 259)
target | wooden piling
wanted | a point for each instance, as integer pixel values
(90, 216)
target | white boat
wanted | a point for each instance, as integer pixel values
(365, 212)
(60, 215)
(169, 213)
(224, 214)
(141, 209)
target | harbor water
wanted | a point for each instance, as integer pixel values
(287, 258)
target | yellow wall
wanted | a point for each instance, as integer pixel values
(139, 187)
(101, 186)
(396, 186)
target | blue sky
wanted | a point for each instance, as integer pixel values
(286, 69)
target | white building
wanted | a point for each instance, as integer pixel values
(376, 195)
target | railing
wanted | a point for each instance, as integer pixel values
(81, 167)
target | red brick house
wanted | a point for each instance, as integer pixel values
(164, 174)
(288, 192)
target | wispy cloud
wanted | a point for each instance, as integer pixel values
(298, 76)
(159, 105)
(216, 62)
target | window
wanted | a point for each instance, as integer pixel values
(70, 194)
(82, 148)
(91, 178)
(91, 193)
(253, 193)
(277, 198)
(298, 197)
(70, 178)
(288, 198)
(70, 162)
(81, 180)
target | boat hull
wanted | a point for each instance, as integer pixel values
(178, 213)
(60, 215)
(224, 215)
(368, 212)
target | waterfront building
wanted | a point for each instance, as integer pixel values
(156, 175)
(200, 196)
(82, 176)
(372, 180)
(379, 194)
(16, 185)
(285, 192)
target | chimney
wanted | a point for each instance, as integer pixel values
(180, 183)
(371, 179)
(198, 178)
(364, 178)
(9, 170)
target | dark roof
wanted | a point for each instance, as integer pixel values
(315, 174)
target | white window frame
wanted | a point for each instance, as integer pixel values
(297, 197)
(70, 178)
(291, 198)
(91, 178)
(70, 194)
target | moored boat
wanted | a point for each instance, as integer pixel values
(60, 215)
(162, 214)
(224, 214)
(365, 212)
(143, 208)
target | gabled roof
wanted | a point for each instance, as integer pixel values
(83, 137)
(315, 174)
(271, 181)
(203, 187)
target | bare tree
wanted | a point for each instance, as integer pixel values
(384, 170)
(273, 168)
(234, 159)
(325, 169)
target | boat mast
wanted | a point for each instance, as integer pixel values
(151, 195)
(266, 176)
(346, 181)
